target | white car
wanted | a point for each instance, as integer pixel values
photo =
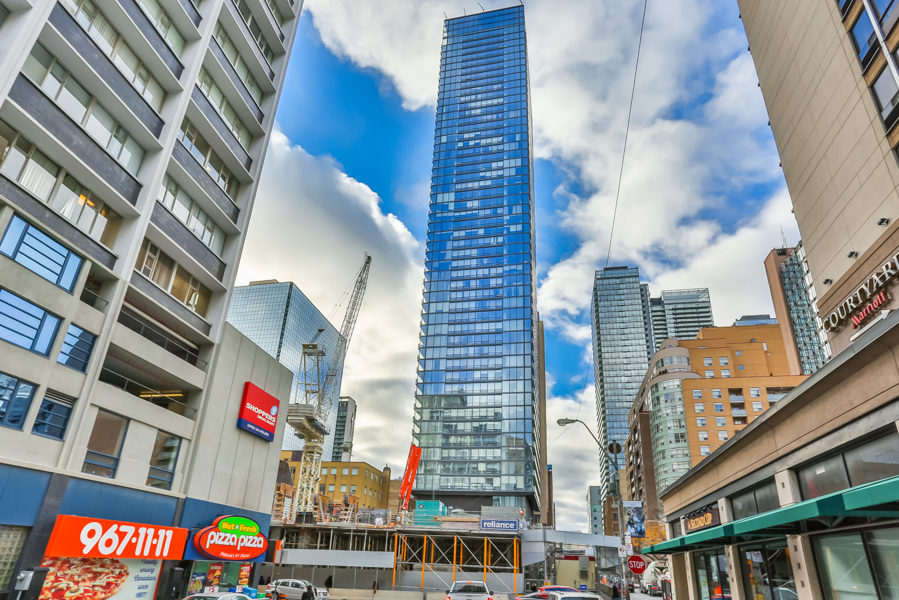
(574, 596)
(219, 596)
(292, 589)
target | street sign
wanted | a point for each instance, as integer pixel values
(636, 564)
(583, 587)
(622, 551)
(629, 548)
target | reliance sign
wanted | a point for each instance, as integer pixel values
(258, 412)
(866, 298)
(499, 525)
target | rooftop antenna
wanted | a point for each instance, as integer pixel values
(482, 8)
(783, 235)
(444, 15)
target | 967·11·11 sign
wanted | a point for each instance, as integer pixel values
(101, 538)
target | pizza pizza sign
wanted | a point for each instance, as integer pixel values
(231, 538)
(84, 537)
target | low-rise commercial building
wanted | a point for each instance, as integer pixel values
(696, 395)
(347, 479)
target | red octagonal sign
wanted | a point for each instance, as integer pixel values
(636, 564)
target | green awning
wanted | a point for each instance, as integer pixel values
(874, 495)
(675, 545)
(707, 535)
(830, 505)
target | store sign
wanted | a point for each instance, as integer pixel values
(231, 538)
(100, 538)
(706, 518)
(861, 301)
(499, 525)
(258, 412)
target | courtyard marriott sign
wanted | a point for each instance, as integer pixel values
(868, 297)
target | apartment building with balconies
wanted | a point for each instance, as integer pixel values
(132, 138)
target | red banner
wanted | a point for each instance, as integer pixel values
(409, 475)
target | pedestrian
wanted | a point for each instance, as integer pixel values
(328, 583)
(308, 594)
(261, 580)
(616, 592)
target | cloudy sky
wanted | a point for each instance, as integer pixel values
(702, 197)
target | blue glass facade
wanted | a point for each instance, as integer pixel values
(280, 319)
(622, 346)
(476, 415)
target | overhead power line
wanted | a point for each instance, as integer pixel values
(627, 129)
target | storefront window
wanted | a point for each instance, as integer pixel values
(756, 501)
(11, 540)
(221, 575)
(824, 477)
(767, 572)
(845, 573)
(883, 545)
(711, 576)
(874, 461)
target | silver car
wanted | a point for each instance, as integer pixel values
(292, 589)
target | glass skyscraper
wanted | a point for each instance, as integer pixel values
(622, 347)
(477, 400)
(279, 318)
(680, 314)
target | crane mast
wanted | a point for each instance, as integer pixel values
(310, 418)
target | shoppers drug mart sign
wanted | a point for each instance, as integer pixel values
(258, 412)
(231, 538)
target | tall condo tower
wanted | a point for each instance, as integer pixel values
(622, 345)
(477, 401)
(680, 314)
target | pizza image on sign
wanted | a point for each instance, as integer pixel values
(87, 578)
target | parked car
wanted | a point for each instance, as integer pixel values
(546, 589)
(292, 589)
(218, 596)
(469, 590)
(577, 595)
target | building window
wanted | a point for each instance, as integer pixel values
(163, 24)
(719, 407)
(346, 471)
(40, 254)
(53, 416)
(330, 487)
(864, 38)
(333, 472)
(355, 471)
(162, 270)
(722, 435)
(775, 394)
(105, 444)
(343, 488)
(221, 105)
(721, 421)
(321, 489)
(739, 353)
(709, 373)
(76, 348)
(707, 361)
(716, 393)
(15, 400)
(703, 436)
(723, 361)
(698, 407)
(25, 324)
(112, 44)
(700, 421)
(189, 212)
(255, 31)
(697, 394)
(353, 488)
(163, 460)
(755, 501)
(704, 451)
(739, 367)
(755, 393)
(229, 49)
(725, 372)
(324, 470)
(757, 406)
(57, 82)
(208, 159)
(887, 95)
(44, 179)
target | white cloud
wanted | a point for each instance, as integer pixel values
(699, 147)
(311, 224)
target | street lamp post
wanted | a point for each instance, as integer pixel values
(613, 456)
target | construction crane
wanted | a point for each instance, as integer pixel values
(310, 419)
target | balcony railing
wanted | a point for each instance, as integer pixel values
(736, 399)
(738, 412)
(172, 400)
(94, 300)
(161, 339)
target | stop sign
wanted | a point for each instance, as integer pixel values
(636, 564)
